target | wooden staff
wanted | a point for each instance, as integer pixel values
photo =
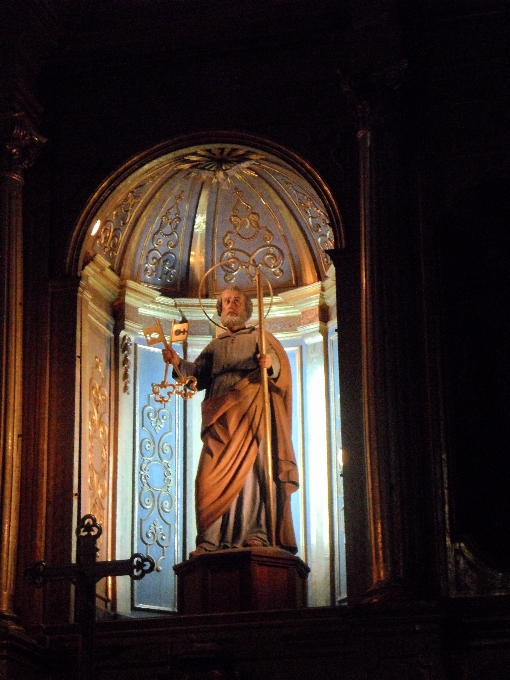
(270, 513)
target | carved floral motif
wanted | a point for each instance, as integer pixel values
(98, 442)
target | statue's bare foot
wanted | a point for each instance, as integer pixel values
(254, 543)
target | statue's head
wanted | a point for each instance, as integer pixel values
(234, 307)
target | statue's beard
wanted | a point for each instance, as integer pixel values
(234, 320)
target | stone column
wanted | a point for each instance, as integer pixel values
(19, 146)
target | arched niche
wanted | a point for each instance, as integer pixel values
(141, 248)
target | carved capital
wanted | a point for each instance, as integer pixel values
(19, 143)
(369, 95)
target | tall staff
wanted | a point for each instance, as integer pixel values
(270, 507)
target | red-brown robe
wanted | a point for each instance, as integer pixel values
(232, 427)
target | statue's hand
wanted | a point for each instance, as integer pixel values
(265, 360)
(170, 356)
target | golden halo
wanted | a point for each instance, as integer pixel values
(222, 264)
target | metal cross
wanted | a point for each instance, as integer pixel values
(85, 573)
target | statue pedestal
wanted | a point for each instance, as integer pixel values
(245, 579)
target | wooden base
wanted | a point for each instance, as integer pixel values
(246, 579)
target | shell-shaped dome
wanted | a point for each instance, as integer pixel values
(175, 218)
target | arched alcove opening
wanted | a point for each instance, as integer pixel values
(142, 248)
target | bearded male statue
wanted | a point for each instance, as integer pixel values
(230, 487)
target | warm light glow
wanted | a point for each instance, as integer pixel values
(95, 228)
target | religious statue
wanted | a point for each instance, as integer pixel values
(241, 499)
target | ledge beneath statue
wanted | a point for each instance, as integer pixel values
(245, 579)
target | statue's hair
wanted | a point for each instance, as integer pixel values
(248, 304)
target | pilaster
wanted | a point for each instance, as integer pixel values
(390, 358)
(19, 145)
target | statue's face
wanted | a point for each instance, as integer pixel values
(233, 309)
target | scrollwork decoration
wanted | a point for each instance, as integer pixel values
(248, 232)
(161, 259)
(156, 499)
(110, 235)
(316, 218)
(473, 577)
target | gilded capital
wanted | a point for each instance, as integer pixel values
(19, 143)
